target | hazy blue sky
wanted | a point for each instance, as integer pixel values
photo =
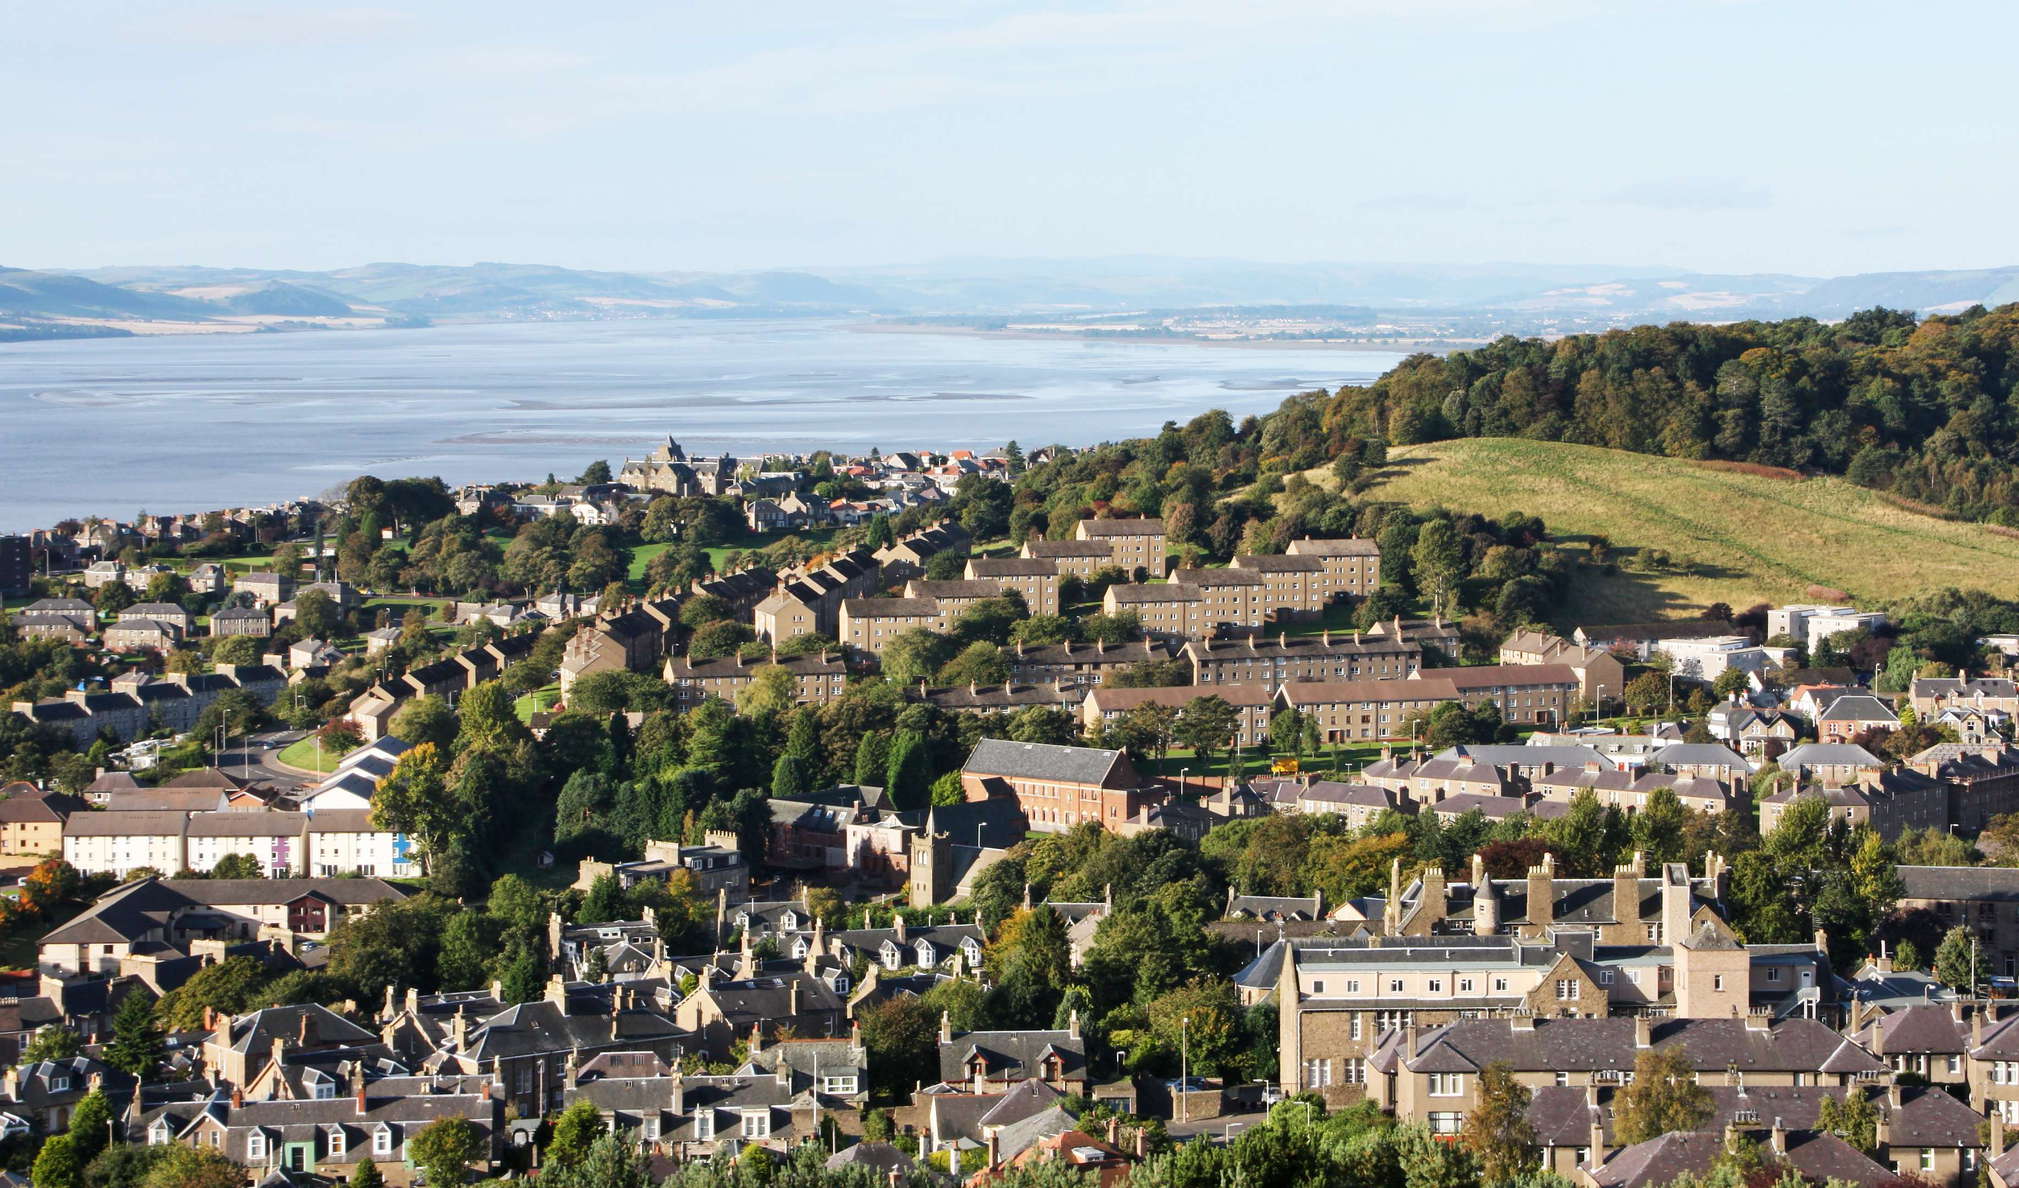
(1778, 135)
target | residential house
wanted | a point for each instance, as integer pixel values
(1034, 578)
(820, 677)
(1079, 665)
(1080, 559)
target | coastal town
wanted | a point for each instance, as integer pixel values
(951, 815)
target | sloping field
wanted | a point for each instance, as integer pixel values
(1750, 538)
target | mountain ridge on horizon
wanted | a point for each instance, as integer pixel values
(1483, 298)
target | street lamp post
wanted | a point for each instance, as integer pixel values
(1184, 1068)
(1182, 773)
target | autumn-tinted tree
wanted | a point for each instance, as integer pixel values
(1663, 1096)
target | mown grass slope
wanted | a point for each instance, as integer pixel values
(1749, 537)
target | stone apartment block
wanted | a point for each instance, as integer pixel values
(953, 596)
(821, 677)
(1036, 579)
(1134, 544)
(1252, 703)
(1365, 710)
(1353, 560)
(869, 624)
(1255, 658)
(1071, 558)
(1167, 610)
(1079, 665)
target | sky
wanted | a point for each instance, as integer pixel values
(1794, 136)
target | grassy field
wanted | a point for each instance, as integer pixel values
(537, 700)
(1750, 538)
(305, 755)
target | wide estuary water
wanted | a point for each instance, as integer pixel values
(185, 423)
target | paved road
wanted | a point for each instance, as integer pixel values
(253, 758)
(1216, 1130)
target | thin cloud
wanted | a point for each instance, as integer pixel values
(1697, 194)
(271, 25)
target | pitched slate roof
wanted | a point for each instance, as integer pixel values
(1010, 1055)
(1042, 761)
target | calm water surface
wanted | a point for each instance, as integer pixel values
(187, 423)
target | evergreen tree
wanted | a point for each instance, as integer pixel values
(136, 1046)
(1958, 961)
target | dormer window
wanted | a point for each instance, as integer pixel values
(799, 949)
(325, 1090)
(756, 1123)
(788, 922)
(382, 1141)
(58, 1083)
(891, 957)
(158, 1134)
(338, 1142)
(924, 949)
(704, 1125)
(743, 921)
(255, 1147)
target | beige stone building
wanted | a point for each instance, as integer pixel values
(1034, 578)
(1354, 560)
(1133, 544)
(1072, 558)
(1167, 610)
(1276, 660)
(821, 677)
(868, 624)
(1362, 711)
(1252, 703)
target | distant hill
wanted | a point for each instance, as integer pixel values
(64, 295)
(1750, 537)
(278, 297)
(1412, 302)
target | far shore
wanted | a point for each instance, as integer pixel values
(1383, 346)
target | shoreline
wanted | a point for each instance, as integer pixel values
(1403, 345)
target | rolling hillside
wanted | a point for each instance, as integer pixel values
(1751, 537)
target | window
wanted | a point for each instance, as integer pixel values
(1354, 1072)
(704, 1125)
(1566, 989)
(1446, 1122)
(338, 1142)
(1317, 1073)
(1436, 986)
(1465, 985)
(1352, 985)
(382, 1141)
(1500, 985)
(1394, 985)
(1774, 973)
(1955, 1064)
(1605, 977)
(756, 1123)
(1317, 987)
(651, 1129)
(1447, 1084)
(1353, 1026)
(1563, 1078)
(839, 1086)
(1927, 1159)
(1717, 981)
(325, 1090)
(255, 1146)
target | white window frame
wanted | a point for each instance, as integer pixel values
(382, 1140)
(755, 1124)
